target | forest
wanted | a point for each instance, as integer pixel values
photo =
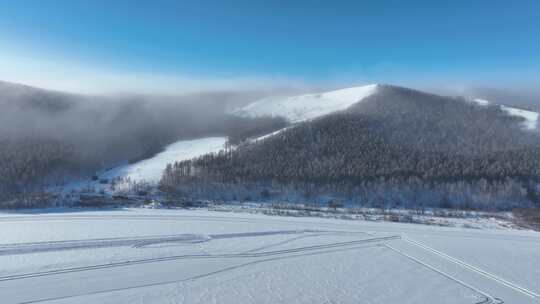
(401, 147)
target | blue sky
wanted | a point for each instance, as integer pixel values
(217, 43)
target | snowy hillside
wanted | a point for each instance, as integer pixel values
(150, 170)
(530, 118)
(309, 106)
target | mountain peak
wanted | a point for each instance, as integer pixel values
(308, 106)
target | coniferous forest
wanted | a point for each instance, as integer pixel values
(397, 148)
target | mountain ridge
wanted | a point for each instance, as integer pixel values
(298, 108)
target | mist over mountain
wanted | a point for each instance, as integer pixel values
(525, 98)
(339, 144)
(49, 137)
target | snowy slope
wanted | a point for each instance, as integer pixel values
(270, 134)
(149, 256)
(481, 101)
(150, 170)
(530, 118)
(309, 106)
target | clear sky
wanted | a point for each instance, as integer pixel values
(109, 44)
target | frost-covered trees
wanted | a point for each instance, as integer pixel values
(400, 147)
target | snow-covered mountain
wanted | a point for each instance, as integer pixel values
(371, 100)
(380, 132)
(453, 125)
(308, 106)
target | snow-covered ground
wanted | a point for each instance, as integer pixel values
(433, 217)
(172, 256)
(150, 170)
(308, 106)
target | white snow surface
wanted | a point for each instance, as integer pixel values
(308, 106)
(481, 101)
(531, 118)
(270, 134)
(181, 256)
(150, 170)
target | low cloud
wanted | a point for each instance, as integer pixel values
(77, 78)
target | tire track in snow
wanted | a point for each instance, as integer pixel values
(199, 256)
(475, 269)
(488, 297)
(352, 225)
(200, 276)
(280, 243)
(319, 233)
(137, 242)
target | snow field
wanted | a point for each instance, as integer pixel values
(170, 256)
